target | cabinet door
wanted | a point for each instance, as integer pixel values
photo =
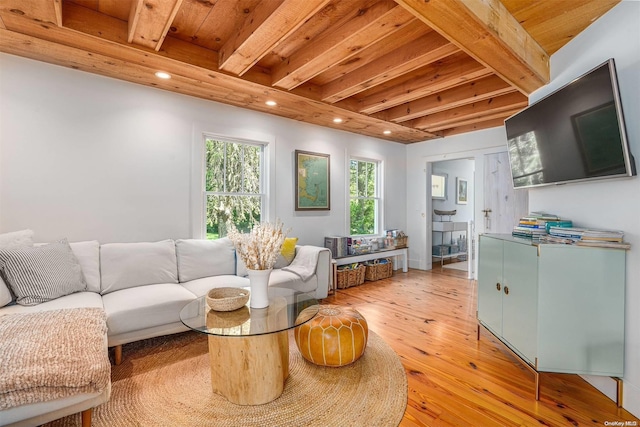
(490, 283)
(582, 310)
(520, 299)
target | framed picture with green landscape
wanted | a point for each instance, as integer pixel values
(312, 181)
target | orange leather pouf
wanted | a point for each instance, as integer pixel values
(336, 336)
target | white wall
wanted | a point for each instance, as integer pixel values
(88, 157)
(607, 204)
(601, 204)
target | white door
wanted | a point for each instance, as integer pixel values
(503, 206)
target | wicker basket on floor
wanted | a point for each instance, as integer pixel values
(378, 269)
(350, 277)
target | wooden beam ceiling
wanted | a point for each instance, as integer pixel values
(490, 34)
(417, 70)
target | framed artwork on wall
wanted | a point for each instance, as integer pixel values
(313, 192)
(461, 191)
(439, 186)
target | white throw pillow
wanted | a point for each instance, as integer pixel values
(126, 265)
(42, 273)
(88, 255)
(12, 240)
(198, 258)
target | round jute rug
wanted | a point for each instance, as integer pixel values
(165, 381)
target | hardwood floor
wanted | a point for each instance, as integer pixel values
(429, 318)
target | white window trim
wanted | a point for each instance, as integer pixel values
(198, 168)
(379, 185)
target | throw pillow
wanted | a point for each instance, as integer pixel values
(287, 252)
(40, 274)
(15, 239)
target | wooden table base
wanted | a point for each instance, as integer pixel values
(249, 370)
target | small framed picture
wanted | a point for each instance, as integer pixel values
(461, 191)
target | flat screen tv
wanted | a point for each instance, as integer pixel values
(576, 133)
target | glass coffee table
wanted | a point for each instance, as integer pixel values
(249, 347)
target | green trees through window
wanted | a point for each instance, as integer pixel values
(233, 185)
(364, 197)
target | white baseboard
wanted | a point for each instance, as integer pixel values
(608, 387)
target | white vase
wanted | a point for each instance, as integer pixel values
(259, 283)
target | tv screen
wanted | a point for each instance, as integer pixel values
(576, 133)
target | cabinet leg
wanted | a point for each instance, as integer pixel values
(619, 389)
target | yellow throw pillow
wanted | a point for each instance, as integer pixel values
(288, 250)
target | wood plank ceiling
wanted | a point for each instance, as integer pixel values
(401, 70)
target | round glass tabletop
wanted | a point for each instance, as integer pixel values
(283, 312)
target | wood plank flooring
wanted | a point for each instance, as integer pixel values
(429, 318)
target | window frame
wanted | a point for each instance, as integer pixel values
(261, 184)
(379, 181)
(197, 196)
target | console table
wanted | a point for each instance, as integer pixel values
(383, 253)
(402, 253)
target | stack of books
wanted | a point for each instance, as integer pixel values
(591, 237)
(536, 225)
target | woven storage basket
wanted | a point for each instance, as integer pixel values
(351, 277)
(377, 270)
(227, 299)
(401, 242)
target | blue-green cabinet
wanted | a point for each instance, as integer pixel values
(559, 307)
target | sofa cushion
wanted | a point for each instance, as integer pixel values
(143, 307)
(287, 279)
(126, 265)
(199, 258)
(16, 239)
(88, 255)
(12, 240)
(200, 287)
(75, 300)
(43, 273)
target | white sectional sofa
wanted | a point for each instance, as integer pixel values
(143, 286)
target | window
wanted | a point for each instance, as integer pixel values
(364, 193)
(233, 185)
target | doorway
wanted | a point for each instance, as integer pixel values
(452, 210)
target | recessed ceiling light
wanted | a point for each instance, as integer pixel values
(271, 103)
(387, 132)
(337, 120)
(163, 75)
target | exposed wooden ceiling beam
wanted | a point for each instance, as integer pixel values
(490, 107)
(485, 124)
(489, 33)
(451, 71)
(341, 42)
(150, 20)
(477, 90)
(269, 24)
(127, 62)
(46, 11)
(422, 51)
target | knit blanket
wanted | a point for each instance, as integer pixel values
(52, 354)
